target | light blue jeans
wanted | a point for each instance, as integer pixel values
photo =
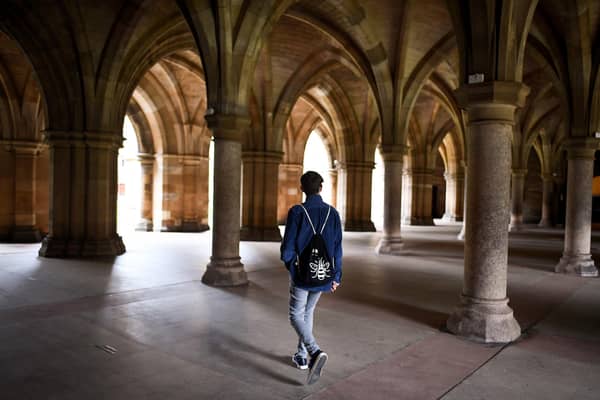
(302, 307)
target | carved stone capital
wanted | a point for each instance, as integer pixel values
(227, 126)
(581, 148)
(492, 101)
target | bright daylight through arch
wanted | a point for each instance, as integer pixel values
(130, 181)
(317, 158)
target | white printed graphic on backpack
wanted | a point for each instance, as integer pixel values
(320, 269)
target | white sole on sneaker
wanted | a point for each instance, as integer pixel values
(298, 365)
(315, 372)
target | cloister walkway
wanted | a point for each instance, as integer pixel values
(143, 326)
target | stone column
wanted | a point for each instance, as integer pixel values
(516, 199)
(260, 174)
(483, 313)
(461, 234)
(391, 241)
(576, 257)
(147, 168)
(547, 200)
(170, 168)
(420, 192)
(24, 229)
(341, 197)
(83, 195)
(358, 196)
(454, 197)
(289, 192)
(225, 267)
(195, 193)
(333, 177)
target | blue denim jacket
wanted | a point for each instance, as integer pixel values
(298, 234)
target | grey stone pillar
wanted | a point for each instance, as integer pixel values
(454, 197)
(225, 267)
(483, 313)
(547, 195)
(576, 257)
(333, 177)
(391, 242)
(516, 199)
(145, 223)
(461, 234)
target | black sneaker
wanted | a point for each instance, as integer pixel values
(317, 362)
(299, 361)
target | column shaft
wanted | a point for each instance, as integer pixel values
(225, 267)
(289, 192)
(333, 176)
(25, 228)
(195, 193)
(260, 193)
(577, 258)
(454, 197)
(547, 199)
(517, 198)
(145, 223)
(358, 197)
(170, 167)
(461, 234)
(483, 313)
(420, 192)
(391, 241)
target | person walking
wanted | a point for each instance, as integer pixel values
(312, 253)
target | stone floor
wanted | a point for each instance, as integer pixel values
(142, 326)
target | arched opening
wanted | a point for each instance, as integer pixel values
(438, 189)
(130, 180)
(377, 189)
(532, 198)
(317, 158)
(596, 193)
(170, 166)
(24, 158)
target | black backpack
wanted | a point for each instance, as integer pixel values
(315, 267)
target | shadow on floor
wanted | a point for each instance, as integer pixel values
(241, 352)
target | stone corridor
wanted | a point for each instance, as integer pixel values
(168, 336)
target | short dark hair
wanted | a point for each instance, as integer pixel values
(311, 182)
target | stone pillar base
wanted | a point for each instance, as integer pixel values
(144, 226)
(359, 226)
(59, 248)
(487, 321)
(516, 227)
(106, 247)
(452, 218)
(252, 234)
(389, 245)
(193, 226)
(581, 264)
(186, 227)
(461, 234)
(225, 272)
(25, 234)
(545, 223)
(421, 221)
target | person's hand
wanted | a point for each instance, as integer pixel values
(334, 286)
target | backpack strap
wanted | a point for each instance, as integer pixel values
(326, 218)
(309, 220)
(311, 223)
